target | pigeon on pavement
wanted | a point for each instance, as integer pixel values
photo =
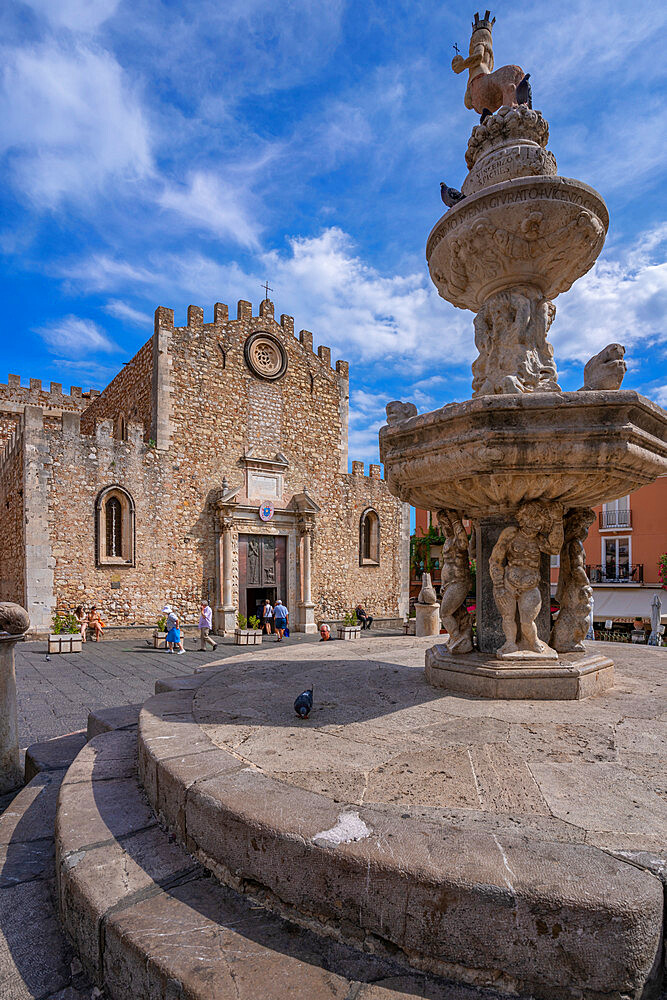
(304, 703)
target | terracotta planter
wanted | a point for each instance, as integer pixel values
(247, 636)
(348, 631)
(66, 642)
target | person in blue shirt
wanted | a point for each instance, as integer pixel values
(280, 619)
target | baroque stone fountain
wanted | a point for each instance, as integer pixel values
(522, 460)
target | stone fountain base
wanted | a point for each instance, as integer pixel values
(484, 675)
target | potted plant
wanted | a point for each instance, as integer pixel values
(350, 629)
(65, 636)
(248, 631)
(160, 633)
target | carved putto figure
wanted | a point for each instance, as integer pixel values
(574, 592)
(455, 582)
(514, 567)
(487, 90)
(606, 369)
(511, 337)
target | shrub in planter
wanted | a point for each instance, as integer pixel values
(244, 636)
(350, 629)
(160, 633)
(65, 636)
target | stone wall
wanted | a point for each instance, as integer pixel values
(14, 397)
(340, 581)
(128, 394)
(73, 469)
(12, 558)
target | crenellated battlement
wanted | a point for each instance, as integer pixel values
(164, 321)
(374, 471)
(14, 395)
(41, 421)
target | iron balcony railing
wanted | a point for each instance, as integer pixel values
(615, 518)
(622, 574)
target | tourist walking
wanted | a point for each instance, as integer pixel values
(280, 619)
(80, 616)
(173, 637)
(205, 626)
(267, 616)
(95, 623)
(365, 619)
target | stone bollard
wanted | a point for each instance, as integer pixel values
(427, 609)
(14, 622)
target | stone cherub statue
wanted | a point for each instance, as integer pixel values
(514, 566)
(455, 580)
(574, 592)
(487, 89)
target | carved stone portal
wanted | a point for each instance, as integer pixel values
(515, 571)
(455, 582)
(511, 337)
(574, 592)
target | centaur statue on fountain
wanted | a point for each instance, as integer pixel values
(488, 90)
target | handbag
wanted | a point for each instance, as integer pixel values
(287, 631)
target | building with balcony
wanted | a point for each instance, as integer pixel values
(623, 547)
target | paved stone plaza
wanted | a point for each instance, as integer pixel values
(55, 695)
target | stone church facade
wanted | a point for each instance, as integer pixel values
(213, 465)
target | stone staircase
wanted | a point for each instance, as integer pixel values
(175, 880)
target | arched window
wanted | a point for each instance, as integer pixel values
(369, 538)
(113, 514)
(114, 527)
(121, 427)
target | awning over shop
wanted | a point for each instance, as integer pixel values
(626, 603)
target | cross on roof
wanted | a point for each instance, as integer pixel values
(267, 288)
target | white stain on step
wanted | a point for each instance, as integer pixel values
(350, 826)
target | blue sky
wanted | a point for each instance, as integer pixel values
(162, 153)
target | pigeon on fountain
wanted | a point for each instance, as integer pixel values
(524, 92)
(450, 196)
(304, 703)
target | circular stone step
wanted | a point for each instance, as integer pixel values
(225, 768)
(148, 922)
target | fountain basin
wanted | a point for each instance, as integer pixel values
(492, 453)
(543, 232)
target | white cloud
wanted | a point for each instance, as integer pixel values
(218, 206)
(71, 125)
(121, 310)
(660, 395)
(72, 335)
(620, 301)
(77, 15)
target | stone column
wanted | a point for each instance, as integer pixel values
(306, 606)
(490, 635)
(15, 620)
(226, 617)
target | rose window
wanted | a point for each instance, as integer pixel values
(265, 356)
